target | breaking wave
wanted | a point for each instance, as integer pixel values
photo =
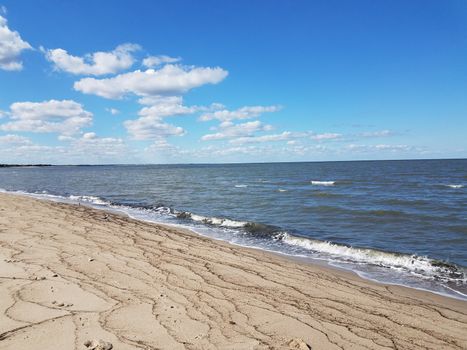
(421, 266)
(323, 183)
(454, 186)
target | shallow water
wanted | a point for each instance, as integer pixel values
(400, 222)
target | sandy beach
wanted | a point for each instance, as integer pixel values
(71, 275)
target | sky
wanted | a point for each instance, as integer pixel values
(105, 82)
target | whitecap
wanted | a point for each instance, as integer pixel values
(323, 183)
(455, 186)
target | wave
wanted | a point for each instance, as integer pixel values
(210, 220)
(241, 186)
(325, 194)
(89, 199)
(323, 183)
(454, 186)
(422, 266)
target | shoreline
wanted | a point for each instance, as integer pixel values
(107, 207)
(144, 285)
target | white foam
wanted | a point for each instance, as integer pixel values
(455, 186)
(241, 186)
(89, 199)
(416, 264)
(323, 183)
(282, 190)
(214, 221)
(198, 218)
(233, 223)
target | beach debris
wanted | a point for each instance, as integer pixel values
(299, 344)
(54, 275)
(98, 345)
(91, 259)
(60, 304)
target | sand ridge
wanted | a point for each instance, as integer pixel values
(69, 274)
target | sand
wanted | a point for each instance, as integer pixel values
(71, 274)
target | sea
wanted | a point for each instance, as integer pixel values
(397, 222)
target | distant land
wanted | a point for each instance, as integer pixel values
(22, 165)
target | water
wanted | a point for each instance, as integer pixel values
(402, 222)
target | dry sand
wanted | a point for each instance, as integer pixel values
(69, 274)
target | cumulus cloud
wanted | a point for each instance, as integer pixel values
(89, 135)
(166, 106)
(97, 63)
(66, 117)
(154, 61)
(228, 130)
(246, 112)
(150, 125)
(11, 46)
(149, 129)
(168, 80)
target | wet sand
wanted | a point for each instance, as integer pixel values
(71, 275)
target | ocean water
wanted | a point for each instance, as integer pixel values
(401, 222)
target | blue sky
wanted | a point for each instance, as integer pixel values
(231, 81)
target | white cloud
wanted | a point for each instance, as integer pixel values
(326, 136)
(97, 63)
(154, 61)
(284, 136)
(231, 130)
(169, 80)
(89, 135)
(166, 106)
(11, 46)
(65, 138)
(246, 112)
(14, 140)
(360, 148)
(380, 133)
(66, 117)
(149, 129)
(113, 111)
(150, 125)
(161, 145)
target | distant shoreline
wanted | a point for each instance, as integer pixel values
(235, 163)
(23, 165)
